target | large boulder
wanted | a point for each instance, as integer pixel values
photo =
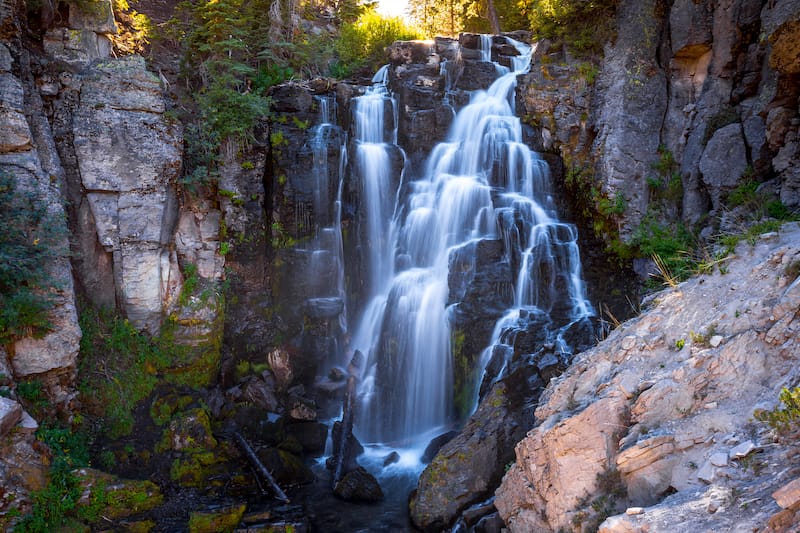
(469, 467)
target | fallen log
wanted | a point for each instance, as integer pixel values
(259, 467)
(344, 459)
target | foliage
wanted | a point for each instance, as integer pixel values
(30, 239)
(119, 368)
(134, 29)
(666, 186)
(361, 44)
(582, 25)
(673, 243)
(452, 17)
(55, 506)
(785, 416)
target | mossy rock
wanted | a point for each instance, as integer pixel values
(197, 469)
(111, 497)
(162, 408)
(141, 526)
(291, 445)
(217, 521)
(287, 467)
(188, 432)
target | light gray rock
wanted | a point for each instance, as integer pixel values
(129, 156)
(10, 414)
(719, 459)
(96, 16)
(723, 162)
(76, 48)
(693, 403)
(742, 450)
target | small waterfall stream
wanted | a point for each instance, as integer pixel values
(481, 183)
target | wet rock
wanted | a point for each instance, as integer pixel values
(391, 459)
(359, 485)
(469, 467)
(312, 436)
(260, 393)
(219, 520)
(476, 75)
(354, 448)
(436, 444)
(491, 523)
(286, 467)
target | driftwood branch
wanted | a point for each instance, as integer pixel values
(259, 466)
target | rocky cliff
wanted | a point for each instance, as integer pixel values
(712, 84)
(658, 418)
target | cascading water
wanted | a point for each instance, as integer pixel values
(326, 268)
(481, 183)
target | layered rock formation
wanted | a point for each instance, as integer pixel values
(665, 406)
(712, 84)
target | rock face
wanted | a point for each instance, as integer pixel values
(705, 82)
(27, 154)
(665, 405)
(133, 206)
(467, 468)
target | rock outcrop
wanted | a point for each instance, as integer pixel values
(664, 406)
(703, 82)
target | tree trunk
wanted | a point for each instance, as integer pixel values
(494, 20)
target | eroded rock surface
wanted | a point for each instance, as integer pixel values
(665, 405)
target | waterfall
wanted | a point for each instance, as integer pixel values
(326, 266)
(481, 183)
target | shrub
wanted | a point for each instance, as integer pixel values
(582, 26)
(361, 44)
(29, 240)
(785, 418)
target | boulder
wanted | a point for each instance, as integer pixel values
(10, 415)
(358, 485)
(226, 519)
(436, 444)
(723, 162)
(468, 468)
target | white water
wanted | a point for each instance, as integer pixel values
(482, 182)
(326, 267)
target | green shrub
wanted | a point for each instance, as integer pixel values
(582, 26)
(29, 240)
(119, 367)
(55, 506)
(785, 416)
(361, 44)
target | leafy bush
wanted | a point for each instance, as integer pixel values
(119, 368)
(783, 419)
(29, 239)
(583, 26)
(361, 44)
(55, 506)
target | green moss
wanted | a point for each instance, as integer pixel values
(196, 469)
(219, 521)
(162, 408)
